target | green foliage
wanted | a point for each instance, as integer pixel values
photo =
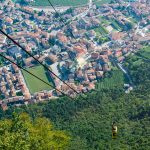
(1, 61)
(19, 93)
(139, 65)
(89, 119)
(22, 2)
(145, 52)
(23, 133)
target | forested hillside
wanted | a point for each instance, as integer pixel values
(23, 133)
(88, 121)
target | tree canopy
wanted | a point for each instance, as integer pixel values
(88, 120)
(23, 133)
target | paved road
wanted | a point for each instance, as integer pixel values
(126, 73)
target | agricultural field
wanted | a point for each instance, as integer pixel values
(116, 25)
(101, 34)
(101, 30)
(104, 21)
(133, 20)
(34, 84)
(116, 79)
(60, 2)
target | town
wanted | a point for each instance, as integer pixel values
(80, 52)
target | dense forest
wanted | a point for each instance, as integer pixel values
(87, 121)
(23, 133)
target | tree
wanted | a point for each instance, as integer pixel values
(23, 133)
(24, 2)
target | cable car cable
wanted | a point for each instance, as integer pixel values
(62, 20)
(35, 76)
(16, 43)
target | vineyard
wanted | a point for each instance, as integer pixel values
(116, 79)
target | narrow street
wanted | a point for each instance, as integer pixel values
(126, 73)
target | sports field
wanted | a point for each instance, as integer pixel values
(60, 2)
(33, 83)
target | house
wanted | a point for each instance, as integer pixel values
(29, 61)
(95, 56)
(14, 51)
(79, 50)
(9, 20)
(92, 77)
(99, 74)
(2, 39)
(116, 36)
(118, 53)
(106, 68)
(61, 37)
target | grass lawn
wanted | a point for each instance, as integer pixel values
(117, 79)
(33, 83)
(101, 2)
(60, 2)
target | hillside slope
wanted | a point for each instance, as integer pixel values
(88, 121)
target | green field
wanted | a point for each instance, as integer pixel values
(145, 52)
(60, 2)
(68, 2)
(104, 21)
(117, 79)
(138, 58)
(65, 2)
(101, 2)
(101, 34)
(116, 25)
(101, 30)
(33, 83)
